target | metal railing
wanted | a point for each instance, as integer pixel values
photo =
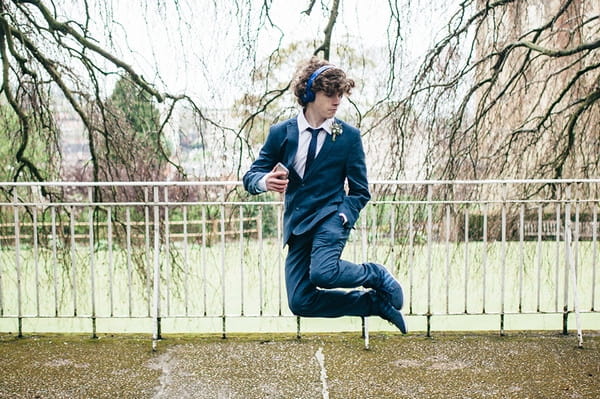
(207, 254)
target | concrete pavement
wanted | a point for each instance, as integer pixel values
(450, 365)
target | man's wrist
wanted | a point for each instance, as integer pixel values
(262, 183)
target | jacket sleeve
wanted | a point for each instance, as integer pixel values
(267, 158)
(358, 185)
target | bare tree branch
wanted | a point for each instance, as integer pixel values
(325, 47)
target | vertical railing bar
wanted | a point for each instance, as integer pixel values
(147, 253)
(484, 255)
(18, 262)
(167, 256)
(223, 282)
(1, 288)
(261, 262)
(557, 259)
(567, 253)
(280, 261)
(447, 247)
(466, 258)
(374, 241)
(594, 253)
(411, 254)
(576, 236)
(241, 255)
(395, 267)
(364, 254)
(429, 254)
(203, 260)
(393, 255)
(374, 236)
(186, 262)
(503, 261)
(129, 262)
(91, 261)
(54, 260)
(110, 259)
(156, 275)
(354, 242)
(539, 257)
(521, 254)
(73, 258)
(36, 261)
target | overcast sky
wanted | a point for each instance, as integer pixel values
(207, 51)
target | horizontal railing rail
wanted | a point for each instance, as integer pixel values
(206, 252)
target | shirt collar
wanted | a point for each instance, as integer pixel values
(303, 123)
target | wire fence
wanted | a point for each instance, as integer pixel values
(162, 252)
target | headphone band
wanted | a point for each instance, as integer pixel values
(309, 95)
(315, 74)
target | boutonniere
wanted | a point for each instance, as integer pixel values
(336, 130)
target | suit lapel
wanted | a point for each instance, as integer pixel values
(292, 147)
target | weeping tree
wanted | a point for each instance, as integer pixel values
(67, 52)
(132, 130)
(49, 58)
(511, 91)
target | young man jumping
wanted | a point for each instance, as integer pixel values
(309, 158)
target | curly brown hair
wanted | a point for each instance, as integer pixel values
(331, 81)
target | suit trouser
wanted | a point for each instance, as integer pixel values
(314, 273)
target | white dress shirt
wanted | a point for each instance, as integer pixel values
(304, 141)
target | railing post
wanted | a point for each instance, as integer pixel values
(36, 261)
(261, 259)
(539, 258)
(167, 262)
(466, 242)
(594, 253)
(73, 258)
(557, 259)
(447, 247)
(484, 259)
(18, 262)
(147, 263)
(503, 259)
(223, 275)
(364, 247)
(567, 252)
(429, 255)
(156, 313)
(92, 264)
(55, 259)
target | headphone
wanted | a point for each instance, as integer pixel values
(309, 95)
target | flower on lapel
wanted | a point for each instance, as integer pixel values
(336, 130)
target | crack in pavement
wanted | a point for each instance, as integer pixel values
(321, 360)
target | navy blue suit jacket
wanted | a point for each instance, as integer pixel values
(321, 192)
